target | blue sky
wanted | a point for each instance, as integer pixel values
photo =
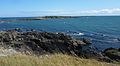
(19, 8)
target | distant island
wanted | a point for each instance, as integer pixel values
(36, 18)
(49, 17)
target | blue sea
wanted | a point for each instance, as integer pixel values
(104, 31)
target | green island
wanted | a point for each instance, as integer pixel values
(48, 17)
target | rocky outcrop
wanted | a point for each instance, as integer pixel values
(44, 42)
(113, 53)
(39, 41)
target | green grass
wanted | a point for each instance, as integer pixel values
(50, 60)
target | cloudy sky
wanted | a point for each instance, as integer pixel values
(22, 8)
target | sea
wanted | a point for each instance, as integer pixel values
(104, 31)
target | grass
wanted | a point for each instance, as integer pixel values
(49, 60)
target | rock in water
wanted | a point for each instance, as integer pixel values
(118, 39)
(119, 49)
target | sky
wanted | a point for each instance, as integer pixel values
(29, 8)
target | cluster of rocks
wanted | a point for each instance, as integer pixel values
(40, 42)
(45, 43)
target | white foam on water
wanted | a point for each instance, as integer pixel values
(79, 34)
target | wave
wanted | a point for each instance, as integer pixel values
(78, 34)
(74, 33)
(104, 37)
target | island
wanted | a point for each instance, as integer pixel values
(14, 19)
(48, 17)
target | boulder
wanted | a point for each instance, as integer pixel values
(112, 53)
(87, 41)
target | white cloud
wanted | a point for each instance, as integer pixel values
(113, 11)
(103, 11)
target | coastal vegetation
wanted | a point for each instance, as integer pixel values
(50, 60)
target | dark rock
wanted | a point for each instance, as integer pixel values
(6, 40)
(113, 53)
(118, 39)
(87, 41)
(119, 49)
(18, 29)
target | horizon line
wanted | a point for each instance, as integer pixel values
(59, 15)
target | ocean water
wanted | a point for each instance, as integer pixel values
(104, 31)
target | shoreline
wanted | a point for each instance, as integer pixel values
(45, 42)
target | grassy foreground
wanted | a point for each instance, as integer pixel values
(49, 60)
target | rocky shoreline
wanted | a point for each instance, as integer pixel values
(39, 43)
